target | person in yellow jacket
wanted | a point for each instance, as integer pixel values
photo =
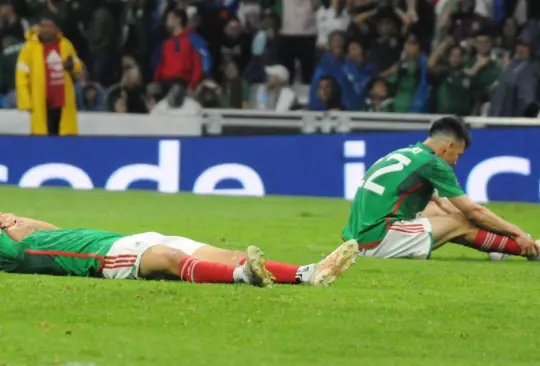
(46, 67)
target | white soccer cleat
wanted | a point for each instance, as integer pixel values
(256, 272)
(535, 257)
(497, 256)
(339, 261)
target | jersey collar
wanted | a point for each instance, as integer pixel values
(424, 147)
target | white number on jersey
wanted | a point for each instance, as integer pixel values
(402, 162)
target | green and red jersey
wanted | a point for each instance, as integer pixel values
(398, 187)
(66, 252)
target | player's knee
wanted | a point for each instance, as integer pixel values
(160, 260)
(462, 224)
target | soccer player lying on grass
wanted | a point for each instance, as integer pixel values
(32, 246)
(389, 218)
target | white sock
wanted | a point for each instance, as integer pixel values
(240, 275)
(304, 274)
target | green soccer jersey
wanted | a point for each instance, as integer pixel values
(67, 252)
(397, 187)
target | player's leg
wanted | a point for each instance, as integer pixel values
(448, 228)
(203, 251)
(432, 210)
(161, 261)
(283, 273)
(417, 238)
(475, 237)
(143, 256)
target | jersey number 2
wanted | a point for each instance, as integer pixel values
(402, 162)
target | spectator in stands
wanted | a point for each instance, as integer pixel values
(90, 98)
(264, 49)
(329, 94)
(133, 88)
(517, 87)
(452, 83)
(249, 13)
(234, 91)
(120, 103)
(331, 64)
(462, 22)
(208, 94)
(11, 48)
(136, 37)
(178, 57)
(358, 72)
(297, 39)
(154, 94)
(177, 102)
(378, 99)
(234, 45)
(510, 31)
(275, 94)
(418, 17)
(46, 67)
(409, 79)
(487, 61)
(11, 25)
(386, 49)
(331, 16)
(363, 22)
(101, 33)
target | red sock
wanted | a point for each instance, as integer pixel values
(283, 272)
(193, 270)
(489, 242)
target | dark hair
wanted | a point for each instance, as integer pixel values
(49, 16)
(453, 126)
(181, 15)
(376, 80)
(335, 99)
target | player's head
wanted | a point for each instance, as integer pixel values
(449, 138)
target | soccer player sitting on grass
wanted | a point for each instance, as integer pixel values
(410, 203)
(37, 247)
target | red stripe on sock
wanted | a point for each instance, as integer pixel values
(486, 241)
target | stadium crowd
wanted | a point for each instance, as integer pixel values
(468, 57)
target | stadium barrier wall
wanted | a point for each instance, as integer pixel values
(233, 121)
(502, 165)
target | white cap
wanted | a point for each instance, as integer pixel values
(278, 70)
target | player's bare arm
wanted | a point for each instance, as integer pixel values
(18, 227)
(484, 217)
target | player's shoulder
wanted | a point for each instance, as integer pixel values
(418, 152)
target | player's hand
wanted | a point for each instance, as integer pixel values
(7, 220)
(527, 245)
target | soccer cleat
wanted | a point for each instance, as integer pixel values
(535, 258)
(328, 270)
(256, 272)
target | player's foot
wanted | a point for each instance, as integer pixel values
(339, 261)
(535, 257)
(255, 271)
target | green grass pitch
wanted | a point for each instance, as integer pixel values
(458, 309)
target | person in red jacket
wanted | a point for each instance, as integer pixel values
(179, 59)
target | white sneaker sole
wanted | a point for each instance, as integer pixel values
(343, 258)
(256, 268)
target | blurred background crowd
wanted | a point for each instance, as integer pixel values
(467, 57)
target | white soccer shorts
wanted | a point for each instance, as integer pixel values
(124, 258)
(405, 239)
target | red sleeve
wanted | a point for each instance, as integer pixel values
(196, 69)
